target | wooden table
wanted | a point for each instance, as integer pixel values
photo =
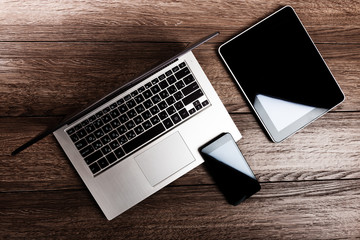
(57, 56)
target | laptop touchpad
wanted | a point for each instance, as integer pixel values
(164, 159)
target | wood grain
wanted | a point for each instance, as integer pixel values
(57, 56)
(172, 21)
(321, 209)
(31, 73)
(315, 153)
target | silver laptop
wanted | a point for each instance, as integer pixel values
(146, 134)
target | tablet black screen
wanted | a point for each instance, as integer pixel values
(279, 69)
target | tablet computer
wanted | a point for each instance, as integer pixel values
(281, 73)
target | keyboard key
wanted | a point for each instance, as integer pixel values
(98, 123)
(111, 158)
(80, 144)
(139, 99)
(131, 104)
(146, 115)
(178, 95)
(138, 130)
(89, 128)
(97, 145)
(141, 89)
(155, 81)
(184, 113)
(115, 123)
(81, 133)
(86, 151)
(134, 93)
(138, 120)
(163, 84)
(180, 85)
(114, 145)
(123, 118)
(114, 134)
(171, 80)
(78, 127)
(162, 77)
(103, 163)
(122, 140)
(99, 133)
(170, 100)
(147, 94)
(192, 111)
(155, 89)
(120, 101)
(106, 110)
(205, 103)
(107, 128)
(143, 138)
(127, 97)
(178, 105)
(84, 123)
(163, 115)
(196, 103)
(139, 108)
(123, 108)
(164, 94)
(175, 69)
(168, 73)
(182, 73)
(115, 113)
(130, 124)
(162, 105)
(198, 107)
(146, 125)
(130, 135)
(106, 149)
(113, 106)
(90, 138)
(131, 113)
(94, 168)
(175, 118)
(168, 123)
(171, 89)
(92, 118)
(155, 120)
(156, 99)
(189, 79)
(99, 114)
(192, 97)
(148, 85)
(190, 88)
(148, 104)
(170, 110)
(181, 65)
(70, 131)
(105, 139)
(122, 129)
(154, 110)
(74, 137)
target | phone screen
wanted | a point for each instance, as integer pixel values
(229, 169)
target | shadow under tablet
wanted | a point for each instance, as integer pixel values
(229, 169)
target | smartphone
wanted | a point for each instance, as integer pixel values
(229, 169)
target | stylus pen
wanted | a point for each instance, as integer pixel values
(33, 140)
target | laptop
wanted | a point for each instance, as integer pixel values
(146, 134)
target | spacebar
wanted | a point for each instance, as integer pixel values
(143, 138)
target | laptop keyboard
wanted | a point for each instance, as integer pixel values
(109, 135)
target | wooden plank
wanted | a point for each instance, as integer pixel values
(298, 210)
(329, 148)
(48, 78)
(87, 20)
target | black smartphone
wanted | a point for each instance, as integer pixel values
(229, 169)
